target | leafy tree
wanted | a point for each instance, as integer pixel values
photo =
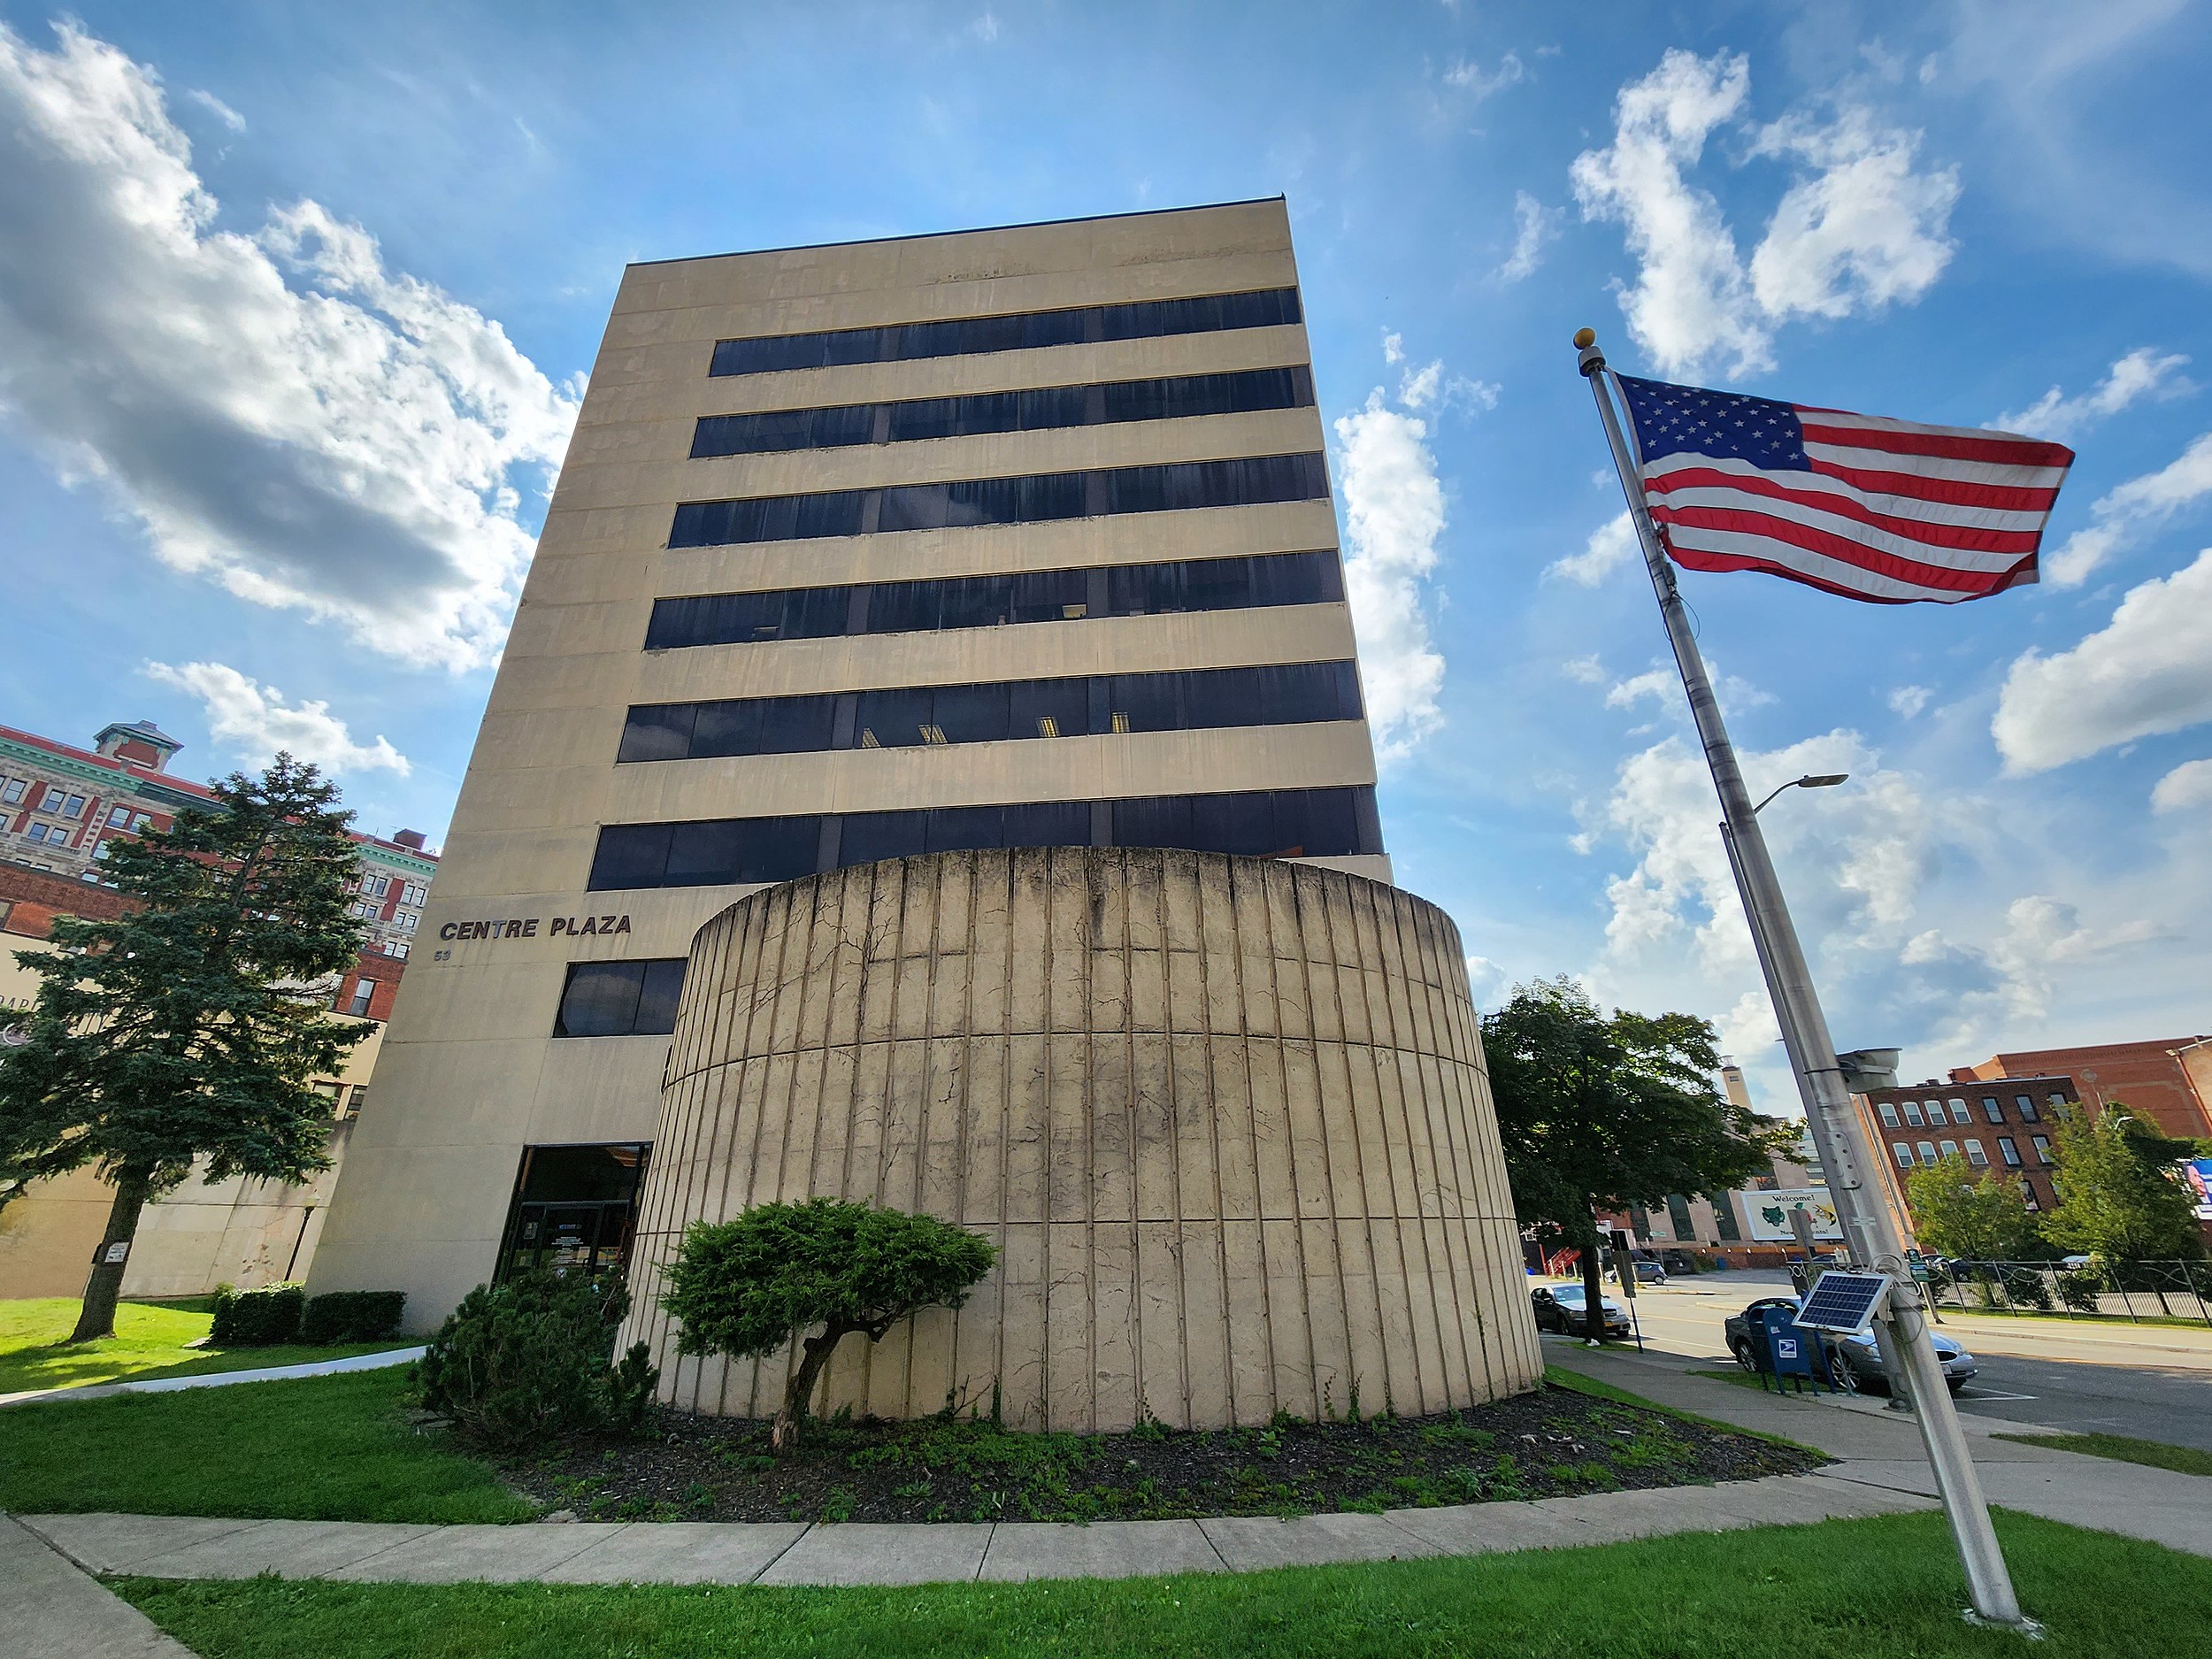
(191, 1028)
(2115, 1198)
(1959, 1210)
(1603, 1111)
(752, 1286)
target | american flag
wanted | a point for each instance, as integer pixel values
(1878, 510)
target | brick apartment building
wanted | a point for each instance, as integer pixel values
(2000, 1125)
(61, 806)
(2165, 1079)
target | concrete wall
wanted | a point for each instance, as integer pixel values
(1227, 1120)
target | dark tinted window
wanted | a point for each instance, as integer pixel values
(1293, 694)
(1039, 498)
(984, 602)
(1038, 409)
(620, 999)
(1296, 823)
(970, 335)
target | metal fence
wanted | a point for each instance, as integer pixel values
(2130, 1290)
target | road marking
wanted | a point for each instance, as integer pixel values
(1991, 1394)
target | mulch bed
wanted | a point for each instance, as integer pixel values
(1545, 1444)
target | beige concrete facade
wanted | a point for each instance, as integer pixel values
(472, 1073)
(1227, 1119)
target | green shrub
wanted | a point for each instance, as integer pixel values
(525, 1359)
(750, 1286)
(257, 1319)
(352, 1316)
(2079, 1291)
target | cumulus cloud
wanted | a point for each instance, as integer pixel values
(2187, 787)
(2147, 671)
(1909, 700)
(2123, 515)
(254, 722)
(1585, 671)
(2142, 373)
(280, 413)
(220, 110)
(1533, 226)
(1611, 545)
(1394, 510)
(1860, 227)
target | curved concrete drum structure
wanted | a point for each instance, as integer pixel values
(1227, 1119)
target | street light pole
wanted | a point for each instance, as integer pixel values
(1829, 1115)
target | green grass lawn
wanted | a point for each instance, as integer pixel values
(321, 1448)
(1888, 1588)
(2185, 1460)
(149, 1341)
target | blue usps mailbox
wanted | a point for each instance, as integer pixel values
(1792, 1350)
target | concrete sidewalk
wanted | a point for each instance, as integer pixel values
(1881, 1449)
(214, 1379)
(61, 1614)
(795, 1553)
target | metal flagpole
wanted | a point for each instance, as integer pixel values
(1835, 1129)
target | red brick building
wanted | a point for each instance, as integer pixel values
(2152, 1078)
(1999, 1127)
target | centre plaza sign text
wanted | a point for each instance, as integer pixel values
(527, 927)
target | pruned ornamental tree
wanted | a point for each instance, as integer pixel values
(191, 1027)
(1599, 1112)
(1959, 1210)
(750, 1286)
(2115, 1198)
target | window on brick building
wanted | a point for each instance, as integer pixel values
(1912, 1113)
(363, 990)
(1976, 1157)
(1927, 1151)
(2057, 1098)
(1950, 1149)
(2026, 1106)
(72, 806)
(1889, 1113)
(2028, 1197)
(1991, 1111)
(118, 817)
(2042, 1144)
(2010, 1151)
(1904, 1154)
(11, 790)
(1959, 1114)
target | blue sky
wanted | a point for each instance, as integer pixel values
(294, 304)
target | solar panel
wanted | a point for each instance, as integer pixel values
(1843, 1303)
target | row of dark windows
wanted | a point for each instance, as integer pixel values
(1038, 498)
(718, 852)
(985, 602)
(1078, 705)
(1040, 409)
(1017, 331)
(620, 999)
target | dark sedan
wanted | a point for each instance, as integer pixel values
(1561, 1307)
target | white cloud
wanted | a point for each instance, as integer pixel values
(220, 110)
(1393, 347)
(1660, 684)
(2123, 514)
(2187, 787)
(1863, 231)
(2147, 671)
(1690, 301)
(1535, 225)
(1909, 700)
(2142, 373)
(1472, 78)
(1429, 386)
(347, 448)
(1393, 511)
(1859, 231)
(1487, 980)
(985, 29)
(1584, 671)
(1611, 545)
(254, 722)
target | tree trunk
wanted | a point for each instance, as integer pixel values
(813, 1356)
(1593, 1291)
(95, 1318)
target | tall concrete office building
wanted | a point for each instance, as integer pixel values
(1008, 538)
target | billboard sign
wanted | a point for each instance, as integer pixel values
(1769, 1214)
(2197, 1173)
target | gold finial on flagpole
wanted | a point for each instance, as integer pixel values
(1585, 338)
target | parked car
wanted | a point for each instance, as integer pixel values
(1561, 1307)
(1650, 1273)
(1857, 1359)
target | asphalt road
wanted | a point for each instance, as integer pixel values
(2149, 1381)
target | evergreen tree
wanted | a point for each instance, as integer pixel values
(2115, 1198)
(192, 1026)
(1604, 1112)
(1959, 1210)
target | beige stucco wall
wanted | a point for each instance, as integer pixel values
(471, 1073)
(1227, 1119)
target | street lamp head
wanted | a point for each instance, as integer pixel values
(1824, 781)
